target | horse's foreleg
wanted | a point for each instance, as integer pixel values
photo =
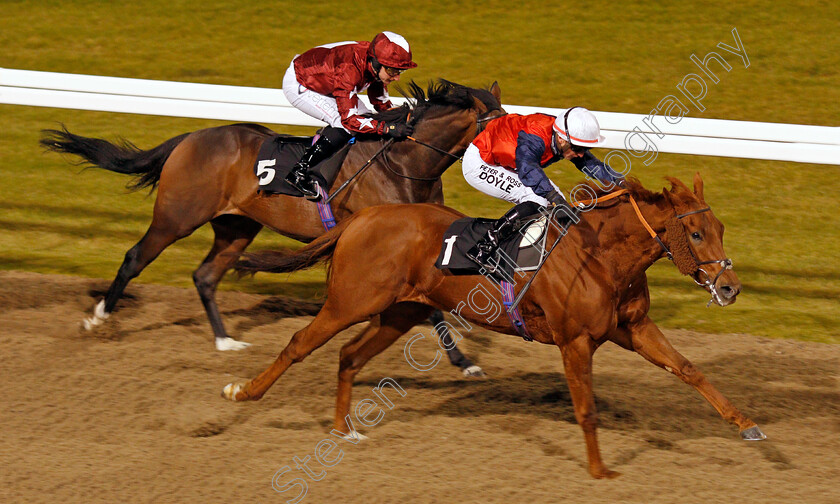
(651, 344)
(329, 322)
(138, 257)
(454, 353)
(233, 235)
(577, 362)
(383, 331)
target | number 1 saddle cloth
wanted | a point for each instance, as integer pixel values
(521, 252)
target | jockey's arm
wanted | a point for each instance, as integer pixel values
(378, 96)
(529, 151)
(346, 78)
(360, 124)
(595, 168)
(346, 102)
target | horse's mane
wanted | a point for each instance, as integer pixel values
(440, 94)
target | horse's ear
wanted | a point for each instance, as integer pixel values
(698, 186)
(496, 91)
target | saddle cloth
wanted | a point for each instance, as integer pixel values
(277, 156)
(522, 252)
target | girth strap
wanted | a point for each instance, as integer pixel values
(324, 210)
(508, 296)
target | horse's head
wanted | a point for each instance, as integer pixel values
(695, 237)
(487, 107)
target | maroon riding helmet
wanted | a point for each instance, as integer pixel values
(391, 50)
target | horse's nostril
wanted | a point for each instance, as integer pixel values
(728, 291)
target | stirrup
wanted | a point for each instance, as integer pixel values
(482, 256)
(301, 181)
(317, 196)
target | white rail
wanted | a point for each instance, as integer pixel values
(709, 137)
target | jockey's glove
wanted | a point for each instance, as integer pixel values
(398, 130)
(556, 199)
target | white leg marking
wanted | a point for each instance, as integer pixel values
(230, 391)
(99, 316)
(223, 344)
(355, 436)
(99, 311)
(474, 372)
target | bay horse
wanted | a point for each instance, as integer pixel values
(591, 289)
(207, 176)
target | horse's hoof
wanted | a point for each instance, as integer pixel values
(474, 372)
(223, 344)
(752, 434)
(231, 391)
(355, 436)
(99, 316)
(606, 474)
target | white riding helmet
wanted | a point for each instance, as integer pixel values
(579, 127)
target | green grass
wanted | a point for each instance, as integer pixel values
(782, 218)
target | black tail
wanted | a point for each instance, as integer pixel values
(123, 158)
(320, 250)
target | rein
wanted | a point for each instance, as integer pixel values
(687, 265)
(387, 165)
(479, 129)
(424, 144)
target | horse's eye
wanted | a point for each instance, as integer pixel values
(695, 235)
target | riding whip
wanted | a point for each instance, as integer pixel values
(527, 286)
(369, 162)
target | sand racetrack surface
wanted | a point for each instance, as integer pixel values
(132, 413)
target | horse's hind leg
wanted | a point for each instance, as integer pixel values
(329, 322)
(233, 235)
(138, 257)
(457, 358)
(375, 338)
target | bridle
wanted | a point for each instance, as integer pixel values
(481, 121)
(480, 125)
(687, 265)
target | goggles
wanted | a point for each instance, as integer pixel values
(393, 72)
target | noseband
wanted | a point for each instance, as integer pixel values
(697, 269)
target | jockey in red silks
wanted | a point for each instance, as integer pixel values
(324, 82)
(506, 161)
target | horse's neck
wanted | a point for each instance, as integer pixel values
(451, 132)
(407, 171)
(620, 239)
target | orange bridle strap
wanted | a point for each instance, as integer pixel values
(606, 197)
(616, 194)
(642, 219)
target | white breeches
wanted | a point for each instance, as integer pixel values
(321, 107)
(497, 181)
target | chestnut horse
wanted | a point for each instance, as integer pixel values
(591, 290)
(207, 176)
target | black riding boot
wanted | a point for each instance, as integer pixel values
(485, 249)
(330, 141)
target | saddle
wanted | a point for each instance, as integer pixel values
(279, 153)
(523, 251)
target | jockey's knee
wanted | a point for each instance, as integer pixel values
(529, 208)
